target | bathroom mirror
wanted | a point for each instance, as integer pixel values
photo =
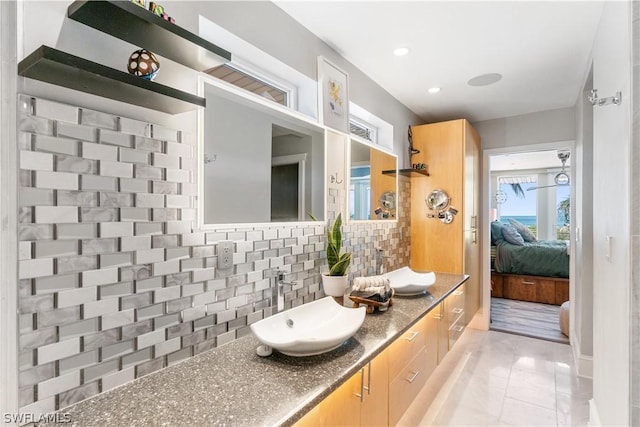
(437, 200)
(259, 163)
(373, 181)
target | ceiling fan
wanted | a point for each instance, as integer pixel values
(561, 178)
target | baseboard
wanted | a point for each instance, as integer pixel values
(584, 363)
(479, 321)
(594, 416)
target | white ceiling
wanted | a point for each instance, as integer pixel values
(527, 161)
(542, 49)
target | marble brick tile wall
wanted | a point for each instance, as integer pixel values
(114, 282)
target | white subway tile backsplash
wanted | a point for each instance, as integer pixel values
(99, 152)
(116, 138)
(59, 350)
(77, 296)
(155, 292)
(117, 379)
(48, 144)
(75, 164)
(116, 169)
(56, 180)
(134, 185)
(149, 256)
(149, 200)
(31, 268)
(55, 110)
(34, 160)
(58, 384)
(135, 214)
(99, 277)
(56, 214)
(53, 248)
(178, 175)
(134, 156)
(79, 132)
(76, 231)
(24, 250)
(98, 183)
(116, 229)
(36, 196)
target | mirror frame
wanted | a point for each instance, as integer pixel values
(261, 104)
(357, 139)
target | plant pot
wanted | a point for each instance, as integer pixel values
(335, 286)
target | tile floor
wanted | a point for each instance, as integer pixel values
(493, 378)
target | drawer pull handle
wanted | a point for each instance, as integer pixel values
(524, 282)
(361, 394)
(413, 377)
(413, 336)
(368, 387)
(458, 328)
(458, 293)
(457, 310)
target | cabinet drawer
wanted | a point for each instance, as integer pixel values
(405, 387)
(454, 305)
(496, 285)
(455, 331)
(405, 348)
(530, 288)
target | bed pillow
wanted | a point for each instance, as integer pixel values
(511, 235)
(524, 231)
(496, 232)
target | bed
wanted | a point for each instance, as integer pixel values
(528, 269)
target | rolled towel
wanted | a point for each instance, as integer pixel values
(374, 284)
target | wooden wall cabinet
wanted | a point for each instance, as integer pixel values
(451, 151)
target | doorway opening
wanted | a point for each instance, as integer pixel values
(530, 214)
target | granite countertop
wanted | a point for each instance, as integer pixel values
(231, 385)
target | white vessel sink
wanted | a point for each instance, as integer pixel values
(313, 328)
(405, 281)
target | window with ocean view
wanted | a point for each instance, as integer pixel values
(520, 204)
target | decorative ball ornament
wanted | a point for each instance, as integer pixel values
(500, 197)
(143, 63)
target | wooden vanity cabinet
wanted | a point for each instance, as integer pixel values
(361, 401)
(380, 393)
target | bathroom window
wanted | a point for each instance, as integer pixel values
(250, 81)
(370, 127)
(517, 202)
(363, 130)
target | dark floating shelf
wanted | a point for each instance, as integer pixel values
(139, 26)
(407, 172)
(60, 68)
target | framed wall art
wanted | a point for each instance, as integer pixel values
(333, 96)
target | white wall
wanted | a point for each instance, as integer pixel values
(611, 219)
(535, 128)
(581, 295)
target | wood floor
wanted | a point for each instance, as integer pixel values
(526, 318)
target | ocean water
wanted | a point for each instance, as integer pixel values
(529, 220)
(526, 220)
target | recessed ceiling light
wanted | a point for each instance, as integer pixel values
(485, 79)
(401, 51)
(433, 90)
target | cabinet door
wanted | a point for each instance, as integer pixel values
(340, 408)
(431, 324)
(443, 332)
(375, 407)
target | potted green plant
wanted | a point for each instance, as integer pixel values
(335, 281)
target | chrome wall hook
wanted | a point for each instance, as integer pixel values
(599, 102)
(333, 179)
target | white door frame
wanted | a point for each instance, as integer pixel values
(483, 321)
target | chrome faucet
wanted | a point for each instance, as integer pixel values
(277, 298)
(380, 257)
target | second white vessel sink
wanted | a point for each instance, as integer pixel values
(407, 282)
(309, 329)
